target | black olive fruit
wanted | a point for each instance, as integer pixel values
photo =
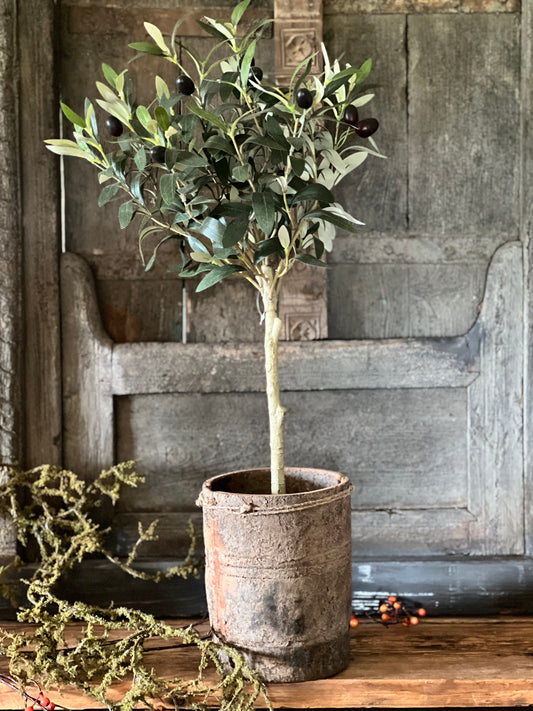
(157, 154)
(366, 127)
(351, 115)
(114, 126)
(304, 98)
(185, 85)
(255, 75)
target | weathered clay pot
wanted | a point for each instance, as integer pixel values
(278, 570)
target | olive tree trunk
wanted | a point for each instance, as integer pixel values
(276, 412)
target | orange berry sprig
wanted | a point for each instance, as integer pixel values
(42, 702)
(31, 703)
(392, 611)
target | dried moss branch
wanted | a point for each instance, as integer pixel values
(53, 511)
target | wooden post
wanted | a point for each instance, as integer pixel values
(10, 247)
(303, 307)
(39, 202)
(526, 227)
(10, 262)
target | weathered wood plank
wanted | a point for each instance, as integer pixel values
(407, 532)
(326, 365)
(496, 411)
(444, 299)
(443, 663)
(374, 299)
(226, 313)
(370, 247)
(10, 251)
(173, 539)
(526, 237)
(143, 310)
(361, 7)
(87, 362)
(445, 586)
(8, 541)
(40, 226)
(464, 148)
(99, 17)
(374, 437)
(376, 193)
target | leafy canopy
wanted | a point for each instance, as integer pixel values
(237, 171)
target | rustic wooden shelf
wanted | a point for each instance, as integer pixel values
(444, 662)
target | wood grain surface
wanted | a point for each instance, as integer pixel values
(447, 662)
(40, 208)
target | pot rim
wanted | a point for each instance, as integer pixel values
(244, 502)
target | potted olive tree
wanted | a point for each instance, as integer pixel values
(240, 172)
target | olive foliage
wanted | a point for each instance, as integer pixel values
(236, 170)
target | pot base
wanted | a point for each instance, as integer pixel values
(302, 663)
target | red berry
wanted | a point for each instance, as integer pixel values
(354, 622)
(366, 127)
(304, 98)
(51, 706)
(385, 617)
(414, 620)
(185, 85)
(351, 115)
(392, 598)
(421, 612)
(383, 607)
(30, 708)
(44, 701)
(405, 623)
(114, 126)
(397, 605)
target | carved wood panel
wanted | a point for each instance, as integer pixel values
(442, 416)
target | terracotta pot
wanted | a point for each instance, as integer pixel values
(278, 570)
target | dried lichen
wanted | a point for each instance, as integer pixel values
(53, 511)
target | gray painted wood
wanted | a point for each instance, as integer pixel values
(38, 94)
(87, 395)
(369, 247)
(421, 461)
(496, 412)
(441, 418)
(323, 365)
(464, 153)
(459, 160)
(377, 192)
(439, 268)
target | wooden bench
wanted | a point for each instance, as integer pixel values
(444, 662)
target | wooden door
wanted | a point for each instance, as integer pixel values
(418, 395)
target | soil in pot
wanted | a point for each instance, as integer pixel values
(278, 570)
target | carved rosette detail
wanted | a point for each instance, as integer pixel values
(298, 34)
(303, 298)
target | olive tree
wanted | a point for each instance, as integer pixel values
(238, 170)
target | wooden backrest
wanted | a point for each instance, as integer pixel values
(429, 430)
